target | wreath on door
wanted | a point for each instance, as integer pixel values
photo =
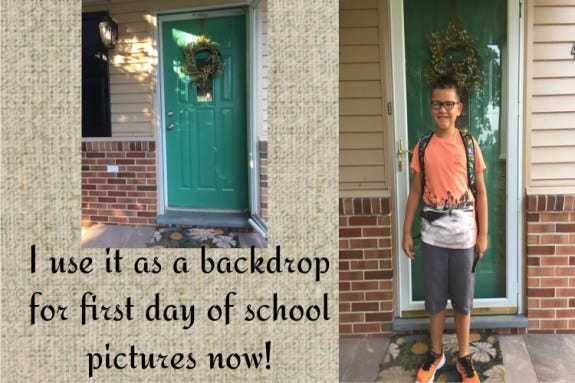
(453, 51)
(202, 69)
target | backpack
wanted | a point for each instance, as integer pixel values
(469, 153)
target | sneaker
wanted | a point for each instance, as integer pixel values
(467, 370)
(432, 363)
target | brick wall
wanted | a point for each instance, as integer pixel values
(365, 268)
(551, 263)
(126, 197)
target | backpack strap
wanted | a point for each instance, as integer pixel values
(421, 154)
(470, 154)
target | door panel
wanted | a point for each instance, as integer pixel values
(205, 126)
(486, 21)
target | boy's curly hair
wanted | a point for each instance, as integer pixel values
(446, 81)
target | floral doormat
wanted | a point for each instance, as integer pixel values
(407, 352)
(189, 236)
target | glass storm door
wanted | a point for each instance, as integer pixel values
(485, 116)
(205, 124)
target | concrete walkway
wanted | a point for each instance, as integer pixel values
(527, 358)
(122, 237)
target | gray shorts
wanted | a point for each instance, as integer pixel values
(447, 274)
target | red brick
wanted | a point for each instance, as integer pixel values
(540, 271)
(371, 285)
(532, 203)
(351, 254)
(364, 306)
(363, 243)
(352, 317)
(565, 271)
(533, 261)
(554, 217)
(541, 202)
(364, 265)
(565, 250)
(350, 232)
(554, 261)
(366, 328)
(345, 329)
(554, 282)
(541, 227)
(540, 250)
(382, 274)
(351, 276)
(554, 239)
(377, 254)
(550, 203)
(363, 221)
(568, 313)
(541, 314)
(344, 286)
(540, 292)
(343, 265)
(351, 296)
(554, 324)
(533, 217)
(565, 292)
(376, 232)
(378, 317)
(375, 295)
(344, 307)
(554, 303)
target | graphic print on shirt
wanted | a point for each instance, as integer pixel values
(450, 222)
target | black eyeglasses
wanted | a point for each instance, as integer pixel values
(447, 104)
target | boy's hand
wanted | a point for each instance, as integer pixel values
(481, 245)
(407, 245)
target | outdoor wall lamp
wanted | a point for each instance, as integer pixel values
(108, 31)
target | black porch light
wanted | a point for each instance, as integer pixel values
(108, 31)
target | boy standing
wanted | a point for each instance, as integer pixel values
(451, 235)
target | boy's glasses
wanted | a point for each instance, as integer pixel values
(447, 104)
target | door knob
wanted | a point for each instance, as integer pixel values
(400, 153)
(171, 127)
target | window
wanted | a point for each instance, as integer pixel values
(96, 120)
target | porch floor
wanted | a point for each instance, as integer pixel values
(121, 237)
(527, 358)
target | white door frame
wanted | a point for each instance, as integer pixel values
(514, 264)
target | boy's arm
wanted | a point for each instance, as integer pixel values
(410, 210)
(482, 218)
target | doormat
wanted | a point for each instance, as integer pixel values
(191, 236)
(406, 353)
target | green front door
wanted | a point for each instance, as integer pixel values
(205, 125)
(486, 21)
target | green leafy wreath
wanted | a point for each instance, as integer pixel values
(211, 67)
(453, 51)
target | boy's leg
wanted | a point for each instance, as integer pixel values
(462, 327)
(461, 292)
(435, 275)
(436, 326)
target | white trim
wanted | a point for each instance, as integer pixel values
(514, 265)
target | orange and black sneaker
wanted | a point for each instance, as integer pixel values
(432, 363)
(467, 370)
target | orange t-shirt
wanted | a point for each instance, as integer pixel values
(448, 214)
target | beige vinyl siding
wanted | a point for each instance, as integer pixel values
(550, 119)
(363, 134)
(262, 70)
(134, 61)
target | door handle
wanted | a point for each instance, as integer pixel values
(170, 127)
(400, 153)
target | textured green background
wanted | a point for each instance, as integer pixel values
(40, 187)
